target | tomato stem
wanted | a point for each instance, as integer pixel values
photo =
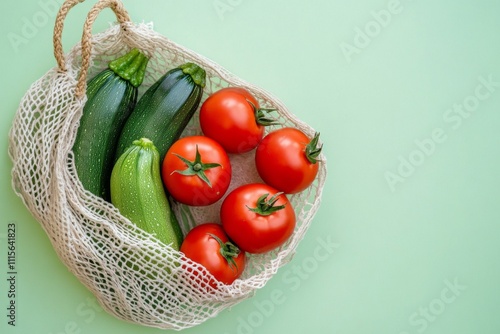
(196, 167)
(313, 150)
(265, 207)
(228, 250)
(260, 115)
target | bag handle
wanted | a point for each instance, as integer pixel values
(86, 42)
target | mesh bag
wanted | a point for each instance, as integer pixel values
(88, 234)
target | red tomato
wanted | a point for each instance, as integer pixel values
(196, 171)
(257, 217)
(232, 117)
(208, 245)
(286, 160)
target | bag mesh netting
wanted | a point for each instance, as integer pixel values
(133, 276)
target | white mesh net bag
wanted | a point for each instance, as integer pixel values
(89, 235)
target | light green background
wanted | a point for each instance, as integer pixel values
(397, 250)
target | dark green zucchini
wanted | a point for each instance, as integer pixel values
(111, 97)
(165, 109)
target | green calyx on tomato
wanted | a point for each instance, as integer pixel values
(228, 250)
(261, 116)
(196, 167)
(265, 207)
(313, 150)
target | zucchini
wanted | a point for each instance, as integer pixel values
(111, 97)
(137, 192)
(165, 109)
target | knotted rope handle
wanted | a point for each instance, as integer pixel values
(86, 42)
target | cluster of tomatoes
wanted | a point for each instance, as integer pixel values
(254, 218)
